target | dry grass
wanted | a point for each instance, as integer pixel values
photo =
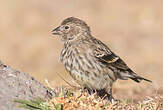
(77, 99)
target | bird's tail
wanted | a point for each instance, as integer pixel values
(138, 78)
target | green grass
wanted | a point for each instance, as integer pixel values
(35, 104)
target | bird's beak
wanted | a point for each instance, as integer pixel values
(56, 31)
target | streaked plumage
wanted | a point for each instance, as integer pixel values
(89, 61)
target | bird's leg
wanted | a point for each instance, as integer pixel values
(105, 95)
(101, 93)
(111, 98)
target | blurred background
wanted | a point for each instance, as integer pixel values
(133, 29)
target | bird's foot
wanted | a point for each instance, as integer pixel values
(107, 96)
(102, 94)
(110, 98)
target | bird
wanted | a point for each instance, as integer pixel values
(90, 62)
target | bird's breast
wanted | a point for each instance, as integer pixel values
(74, 58)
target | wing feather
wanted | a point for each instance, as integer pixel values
(105, 55)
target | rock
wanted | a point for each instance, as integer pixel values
(17, 85)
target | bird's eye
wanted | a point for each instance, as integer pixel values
(67, 27)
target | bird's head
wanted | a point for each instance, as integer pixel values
(71, 28)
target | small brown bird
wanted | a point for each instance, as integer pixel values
(89, 61)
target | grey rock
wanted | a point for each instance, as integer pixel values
(17, 85)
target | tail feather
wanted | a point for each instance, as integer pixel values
(139, 79)
(132, 75)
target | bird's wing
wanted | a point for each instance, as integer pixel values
(105, 55)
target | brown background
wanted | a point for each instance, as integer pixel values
(133, 29)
